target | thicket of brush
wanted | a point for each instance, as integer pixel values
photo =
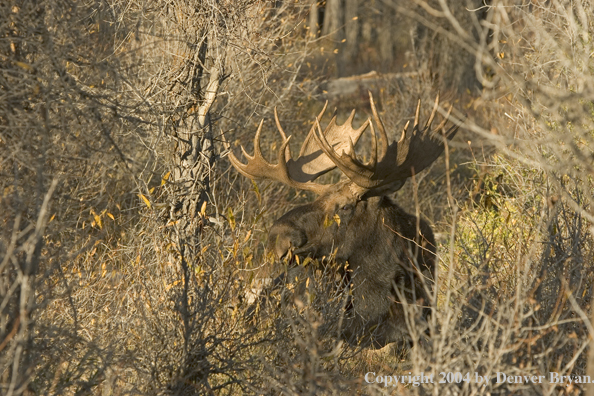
(96, 293)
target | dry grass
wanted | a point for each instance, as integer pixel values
(94, 300)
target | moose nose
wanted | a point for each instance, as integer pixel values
(283, 238)
(282, 247)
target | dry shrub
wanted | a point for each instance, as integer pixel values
(94, 298)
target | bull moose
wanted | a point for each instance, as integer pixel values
(385, 254)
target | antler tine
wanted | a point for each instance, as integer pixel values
(242, 168)
(282, 164)
(444, 121)
(322, 142)
(257, 148)
(373, 160)
(324, 149)
(312, 161)
(433, 112)
(380, 126)
(363, 127)
(416, 149)
(386, 171)
(349, 120)
(403, 136)
(234, 161)
(278, 125)
(282, 132)
(258, 167)
(450, 133)
(417, 112)
(309, 136)
(344, 161)
(351, 149)
(347, 163)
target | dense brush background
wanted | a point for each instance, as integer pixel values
(130, 249)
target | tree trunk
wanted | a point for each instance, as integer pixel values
(334, 29)
(314, 21)
(332, 18)
(386, 43)
(351, 45)
(197, 85)
(194, 153)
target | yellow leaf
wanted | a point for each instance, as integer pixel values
(203, 209)
(110, 216)
(146, 201)
(231, 218)
(151, 190)
(171, 285)
(24, 66)
(98, 221)
(257, 191)
(247, 236)
(337, 219)
(52, 218)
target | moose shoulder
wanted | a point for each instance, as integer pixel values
(388, 254)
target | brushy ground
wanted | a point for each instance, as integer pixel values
(94, 301)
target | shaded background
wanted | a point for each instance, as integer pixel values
(129, 247)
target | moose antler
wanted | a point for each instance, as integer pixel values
(311, 163)
(415, 150)
(386, 171)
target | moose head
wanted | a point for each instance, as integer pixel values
(386, 255)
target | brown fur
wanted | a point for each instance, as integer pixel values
(384, 248)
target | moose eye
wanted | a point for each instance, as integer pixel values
(347, 207)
